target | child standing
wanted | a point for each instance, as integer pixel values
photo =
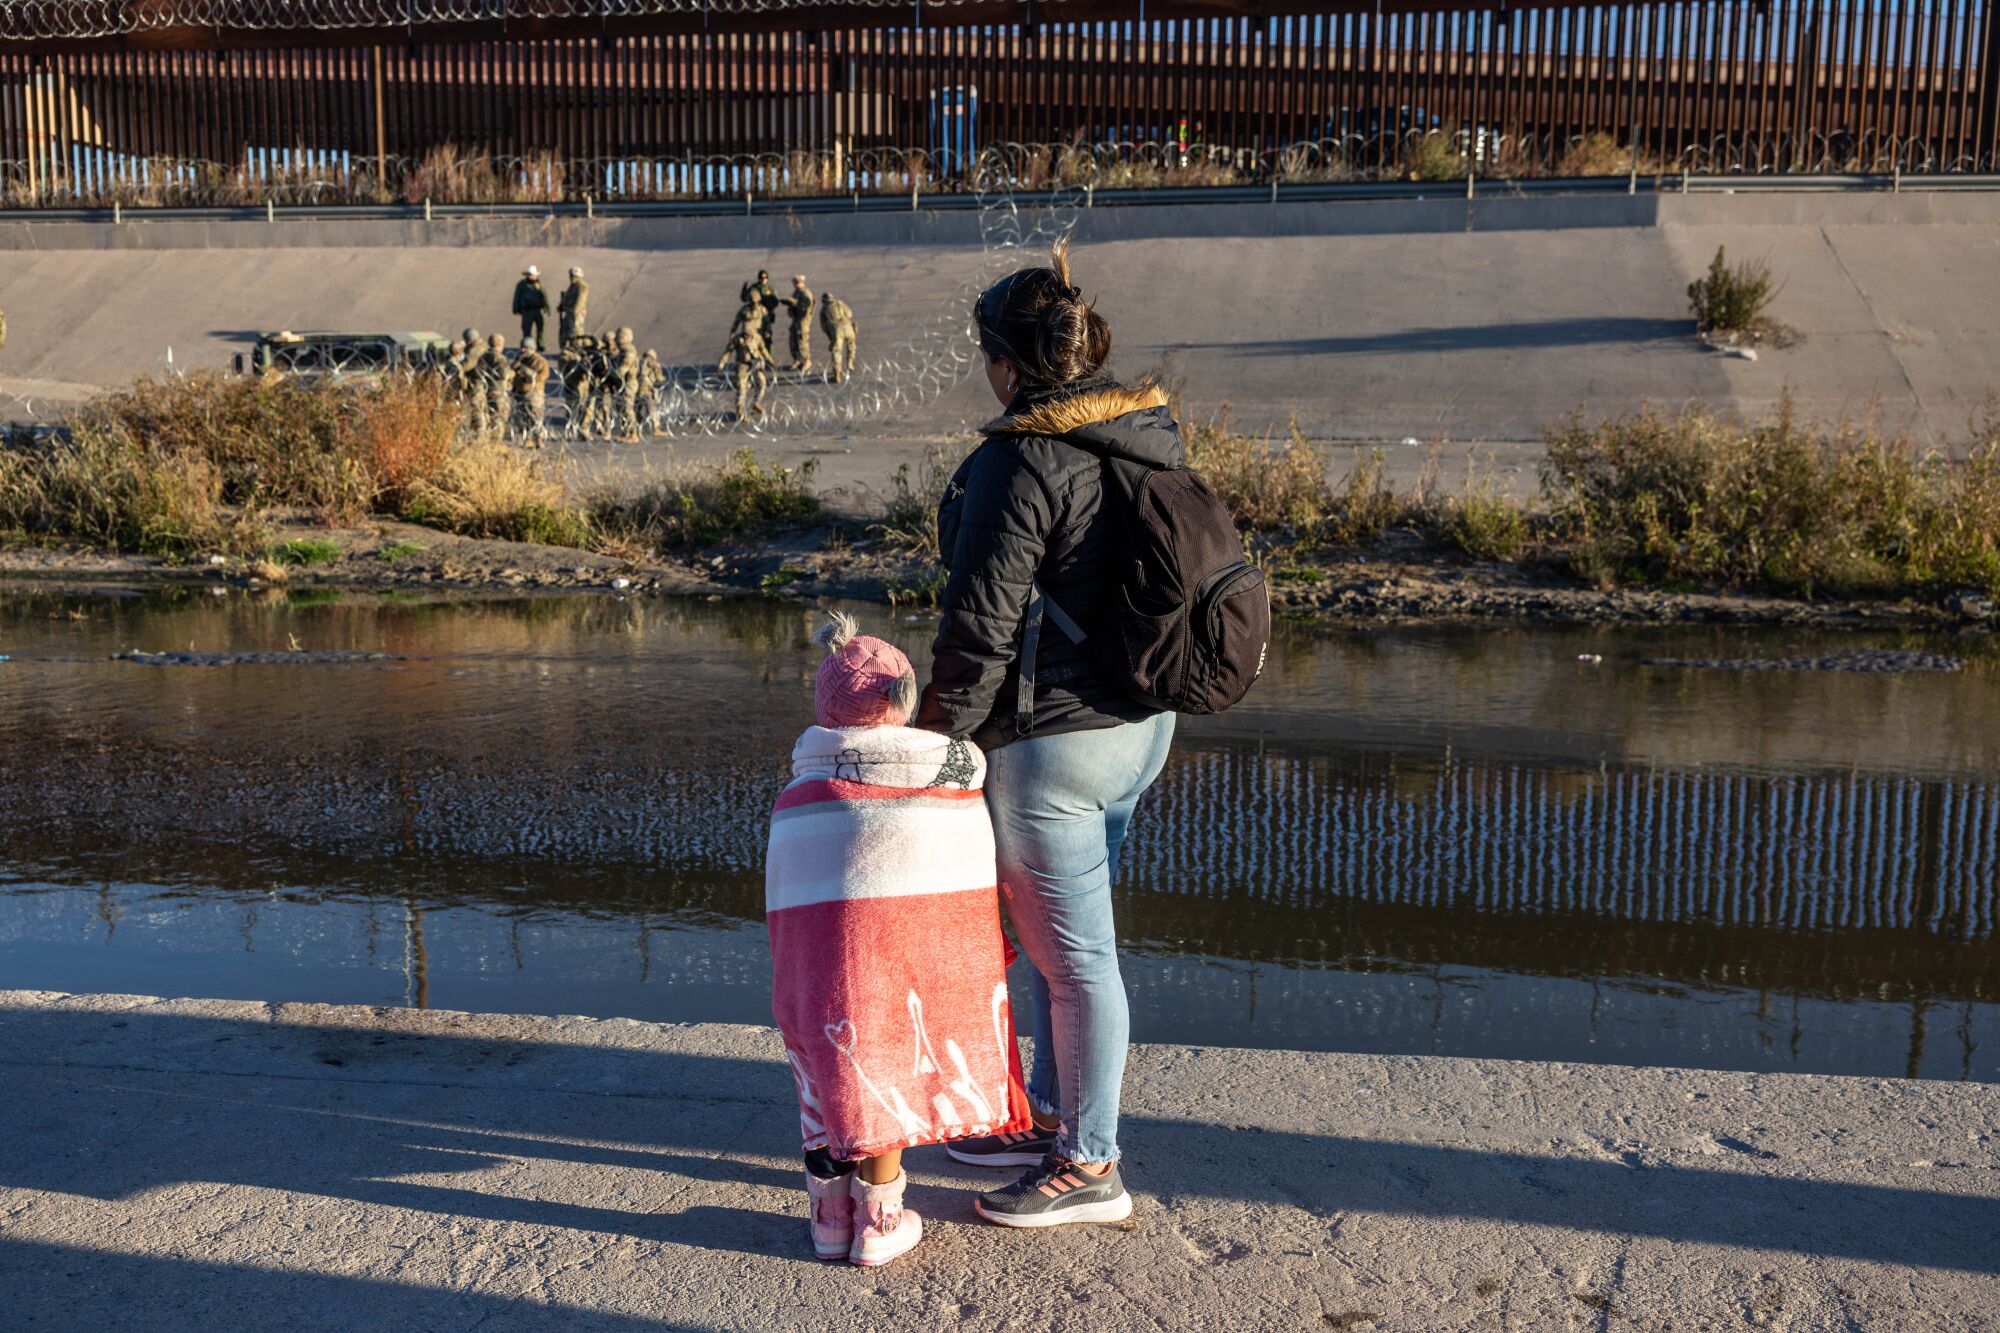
(888, 965)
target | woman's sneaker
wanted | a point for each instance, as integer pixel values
(1004, 1149)
(1054, 1193)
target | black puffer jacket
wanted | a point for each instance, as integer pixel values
(1025, 509)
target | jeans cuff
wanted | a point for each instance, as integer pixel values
(1066, 1148)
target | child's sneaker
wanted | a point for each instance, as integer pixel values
(1054, 1193)
(883, 1228)
(1004, 1149)
(832, 1215)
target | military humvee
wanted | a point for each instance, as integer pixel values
(317, 354)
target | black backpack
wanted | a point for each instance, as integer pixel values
(1189, 618)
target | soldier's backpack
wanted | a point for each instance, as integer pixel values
(1189, 618)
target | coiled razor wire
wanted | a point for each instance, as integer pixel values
(700, 401)
(23, 20)
(88, 176)
(931, 361)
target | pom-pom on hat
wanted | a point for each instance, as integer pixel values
(864, 682)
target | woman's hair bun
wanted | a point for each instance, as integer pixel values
(1037, 318)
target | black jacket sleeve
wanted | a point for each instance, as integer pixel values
(1003, 522)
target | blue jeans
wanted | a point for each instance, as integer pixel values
(1060, 806)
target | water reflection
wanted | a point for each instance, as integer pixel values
(1444, 841)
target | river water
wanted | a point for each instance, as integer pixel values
(1448, 840)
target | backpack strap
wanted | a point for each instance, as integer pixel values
(1040, 605)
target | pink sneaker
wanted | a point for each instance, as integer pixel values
(883, 1228)
(832, 1215)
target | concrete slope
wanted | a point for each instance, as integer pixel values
(194, 1165)
(1368, 321)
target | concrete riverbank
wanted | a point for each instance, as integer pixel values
(183, 1164)
(1361, 321)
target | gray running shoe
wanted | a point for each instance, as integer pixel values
(1004, 1149)
(1055, 1193)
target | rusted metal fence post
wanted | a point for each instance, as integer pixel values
(381, 129)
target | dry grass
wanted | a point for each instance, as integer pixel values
(1434, 157)
(1595, 155)
(1269, 482)
(491, 489)
(1480, 518)
(1363, 506)
(1791, 506)
(699, 506)
(910, 520)
(176, 466)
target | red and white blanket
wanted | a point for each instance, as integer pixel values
(889, 976)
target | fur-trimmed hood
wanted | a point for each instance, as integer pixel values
(1106, 418)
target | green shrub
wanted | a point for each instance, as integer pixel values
(1731, 299)
(1482, 523)
(1363, 507)
(305, 551)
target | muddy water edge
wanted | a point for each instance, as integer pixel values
(1503, 841)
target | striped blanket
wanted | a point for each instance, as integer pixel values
(889, 980)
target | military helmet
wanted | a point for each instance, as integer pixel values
(624, 336)
(471, 336)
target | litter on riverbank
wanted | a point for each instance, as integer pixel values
(196, 1164)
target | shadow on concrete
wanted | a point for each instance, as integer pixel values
(1519, 336)
(350, 1113)
(40, 1279)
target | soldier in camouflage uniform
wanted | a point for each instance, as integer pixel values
(838, 323)
(494, 377)
(625, 365)
(755, 317)
(530, 386)
(579, 381)
(652, 378)
(573, 308)
(800, 307)
(451, 374)
(746, 361)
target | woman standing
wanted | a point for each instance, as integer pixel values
(1032, 549)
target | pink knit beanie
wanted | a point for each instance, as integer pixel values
(864, 682)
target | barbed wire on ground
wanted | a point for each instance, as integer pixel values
(699, 401)
(452, 175)
(925, 364)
